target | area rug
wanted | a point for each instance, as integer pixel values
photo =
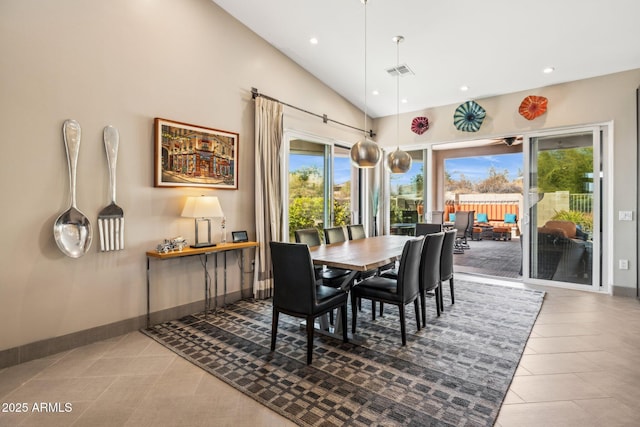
(454, 372)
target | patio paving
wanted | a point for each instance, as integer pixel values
(491, 258)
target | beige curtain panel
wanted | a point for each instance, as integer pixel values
(268, 190)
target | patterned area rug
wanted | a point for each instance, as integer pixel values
(454, 372)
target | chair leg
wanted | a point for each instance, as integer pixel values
(331, 317)
(354, 313)
(403, 325)
(310, 324)
(415, 306)
(373, 310)
(381, 308)
(343, 313)
(439, 299)
(274, 328)
(453, 301)
(423, 303)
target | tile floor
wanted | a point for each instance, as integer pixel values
(581, 367)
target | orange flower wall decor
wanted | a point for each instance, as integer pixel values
(533, 106)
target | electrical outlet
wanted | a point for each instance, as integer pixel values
(623, 264)
(253, 265)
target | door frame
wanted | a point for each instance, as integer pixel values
(602, 134)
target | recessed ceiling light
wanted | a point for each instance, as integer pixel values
(464, 88)
(313, 40)
(375, 92)
(548, 70)
(404, 100)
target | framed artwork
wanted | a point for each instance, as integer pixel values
(194, 156)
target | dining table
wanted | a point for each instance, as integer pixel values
(360, 255)
(357, 256)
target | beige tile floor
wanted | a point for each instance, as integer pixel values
(581, 367)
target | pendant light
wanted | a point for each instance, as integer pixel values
(365, 153)
(399, 161)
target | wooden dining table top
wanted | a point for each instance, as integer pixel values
(361, 254)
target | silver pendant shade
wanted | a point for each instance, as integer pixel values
(365, 153)
(398, 161)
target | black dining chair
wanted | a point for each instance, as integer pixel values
(446, 264)
(356, 231)
(330, 276)
(401, 291)
(430, 271)
(334, 235)
(296, 292)
(422, 229)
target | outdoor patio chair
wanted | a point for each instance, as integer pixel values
(437, 217)
(461, 224)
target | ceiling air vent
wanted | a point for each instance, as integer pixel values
(400, 70)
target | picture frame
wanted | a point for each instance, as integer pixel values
(187, 155)
(239, 236)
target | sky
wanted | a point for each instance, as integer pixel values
(474, 168)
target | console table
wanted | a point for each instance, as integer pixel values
(203, 252)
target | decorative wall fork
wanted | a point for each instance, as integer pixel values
(111, 218)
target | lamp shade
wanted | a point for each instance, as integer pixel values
(365, 154)
(202, 207)
(399, 161)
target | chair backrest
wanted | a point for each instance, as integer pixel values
(437, 217)
(294, 284)
(430, 261)
(409, 269)
(334, 235)
(356, 231)
(472, 220)
(446, 258)
(310, 236)
(461, 222)
(424, 229)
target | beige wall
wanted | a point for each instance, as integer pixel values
(589, 101)
(123, 62)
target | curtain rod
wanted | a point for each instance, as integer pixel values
(325, 119)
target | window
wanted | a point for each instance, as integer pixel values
(319, 186)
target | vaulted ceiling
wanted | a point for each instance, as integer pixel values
(492, 47)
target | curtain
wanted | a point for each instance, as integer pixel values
(269, 204)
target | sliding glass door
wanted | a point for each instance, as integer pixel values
(563, 216)
(318, 186)
(406, 196)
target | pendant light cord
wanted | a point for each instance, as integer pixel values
(398, 40)
(365, 65)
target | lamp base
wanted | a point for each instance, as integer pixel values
(203, 245)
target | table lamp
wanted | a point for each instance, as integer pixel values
(202, 208)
